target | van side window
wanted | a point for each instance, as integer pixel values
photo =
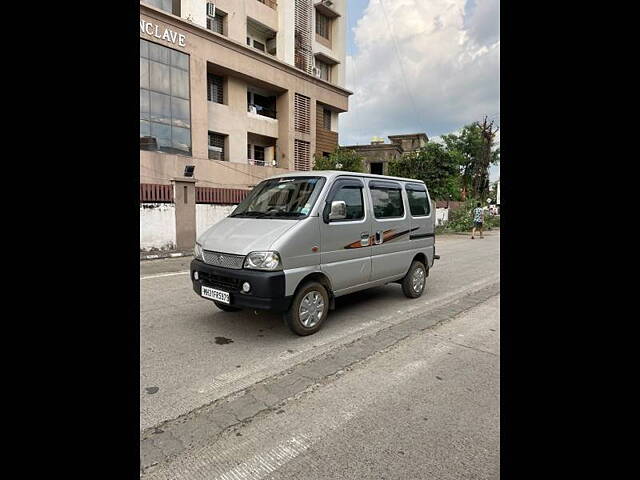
(418, 203)
(352, 196)
(387, 202)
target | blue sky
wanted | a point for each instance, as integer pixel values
(449, 52)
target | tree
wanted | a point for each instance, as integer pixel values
(475, 149)
(341, 159)
(435, 165)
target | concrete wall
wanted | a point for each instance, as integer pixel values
(208, 215)
(157, 226)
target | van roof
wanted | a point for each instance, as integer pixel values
(330, 174)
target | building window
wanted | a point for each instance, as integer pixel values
(302, 113)
(323, 25)
(216, 146)
(301, 157)
(216, 23)
(376, 168)
(165, 111)
(326, 119)
(215, 92)
(166, 5)
(324, 70)
(261, 37)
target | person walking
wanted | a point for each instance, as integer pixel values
(478, 219)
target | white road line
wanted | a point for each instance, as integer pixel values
(164, 275)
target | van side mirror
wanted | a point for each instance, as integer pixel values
(338, 210)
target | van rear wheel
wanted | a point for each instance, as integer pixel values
(415, 280)
(309, 309)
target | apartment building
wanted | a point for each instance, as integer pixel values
(241, 89)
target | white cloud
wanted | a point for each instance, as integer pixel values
(450, 52)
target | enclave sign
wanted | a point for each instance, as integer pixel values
(168, 34)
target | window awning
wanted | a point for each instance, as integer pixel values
(325, 9)
(325, 58)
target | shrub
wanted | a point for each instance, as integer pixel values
(461, 219)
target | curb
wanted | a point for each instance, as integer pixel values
(161, 255)
(163, 442)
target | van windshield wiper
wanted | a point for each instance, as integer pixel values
(250, 213)
(288, 214)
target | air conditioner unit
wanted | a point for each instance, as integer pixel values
(211, 9)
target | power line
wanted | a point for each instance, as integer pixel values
(404, 75)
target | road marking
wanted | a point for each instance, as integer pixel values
(164, 275)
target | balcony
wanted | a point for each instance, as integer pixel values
(261, 150)
(261, 103)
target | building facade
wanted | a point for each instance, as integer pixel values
(378, 154)
(240, 89)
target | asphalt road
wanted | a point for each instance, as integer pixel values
(192, 354)
(427, 407)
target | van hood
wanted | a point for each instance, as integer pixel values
(241, 236)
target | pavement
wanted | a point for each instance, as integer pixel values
(206, 375)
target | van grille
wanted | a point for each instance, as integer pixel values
(223, 260)
(220, 281)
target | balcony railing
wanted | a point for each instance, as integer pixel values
(260, 110)
(270, 3)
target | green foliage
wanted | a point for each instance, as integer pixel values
(435, 165)
(461, 219)
(341, 159)
(475, 149)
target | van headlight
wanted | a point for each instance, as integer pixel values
(197, 252)
(263, 261)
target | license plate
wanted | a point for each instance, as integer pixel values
(214, 294)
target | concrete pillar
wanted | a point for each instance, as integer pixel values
(185, 202)
(199, 108)
(284, 152)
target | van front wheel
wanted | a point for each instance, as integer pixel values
(414, 281)
(308, 310)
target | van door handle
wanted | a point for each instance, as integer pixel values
(364, 239)
(379, 237)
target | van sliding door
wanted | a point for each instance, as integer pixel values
(346, 243)
(391, 225)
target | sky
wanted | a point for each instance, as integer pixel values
(414, 66)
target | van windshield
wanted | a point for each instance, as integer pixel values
(286, 197)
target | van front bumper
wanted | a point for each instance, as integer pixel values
(266, 293)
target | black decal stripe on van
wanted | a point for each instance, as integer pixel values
(422, 235)
(392, 236)
(387, 236)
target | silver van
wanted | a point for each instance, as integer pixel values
(300, 240)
